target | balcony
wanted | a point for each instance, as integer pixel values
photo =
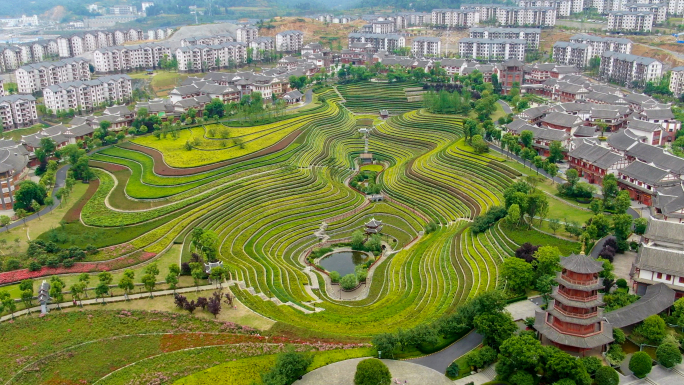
(575, 315)
(579, 282)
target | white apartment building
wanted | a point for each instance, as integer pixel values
(384, 42)
(2, 87)
(563, 7)
(625, 68)
(487, 11)
(600, 44)
(675, 7)
(382, 26)
(426, 46)
(127, 58)
(659, 10)
(14, 56)
(205, 57)
(456, 17)
(207, 40)
(122, 9)
(79, 43)
(37, 76)
(492, 49)
(261, 45)
(531, 35)
(245, 34)
(677, 81)
(526, 16)
(18, 111)
(159, 33)
(572, 54)
(630, 21)
(86, 95)
(289, 41)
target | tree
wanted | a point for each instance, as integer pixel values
(496, 328)
(357, 240)
(668, 355)
(215, 108)
(101, 290)
(622, 202)
(85, 279)
(610, 191)
(622, 226)
(289, 366)
(214, 303)
(526, 138)
(126, 284)
(652, 328)
(197, 274)
(76, 290)
(372, 371)
(560, 365)
(56, 288)
(8, 303)
(521, 353)
(554, 224)
(5, 220)
(28, 192)
(606, 375)
(172, 280)
(547, 260)
(596, 206)
(349, 282)
(513, 216)
(386, 344)
(640, 225)
(572, 176)
(555, 152)
(591, 364)
(149, 281)
(518, 274)
(640, 364)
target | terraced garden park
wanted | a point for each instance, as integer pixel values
(266, 194)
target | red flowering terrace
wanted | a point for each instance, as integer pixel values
(79, 267)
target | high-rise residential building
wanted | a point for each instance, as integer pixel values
(456, 17)
(626, 69)
(246, 34)
(574, 54)
(289, 41)
(600, 44)
(128, 58)
(204, 57)
(86, 95)
(426, 46)
(531, 35)
(677, 81)
(630, 21)
(18, 111)
(37, 76)
(386, 42)
(492, 49)
(563, 7)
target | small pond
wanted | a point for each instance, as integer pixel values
(343, 262)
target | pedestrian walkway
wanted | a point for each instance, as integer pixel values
(403, 372)
(486, 375)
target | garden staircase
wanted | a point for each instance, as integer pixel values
(243, 286)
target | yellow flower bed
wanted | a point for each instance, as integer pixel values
(175, 154)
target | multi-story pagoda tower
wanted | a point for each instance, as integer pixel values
(574, 321)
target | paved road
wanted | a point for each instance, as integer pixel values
(441, 360)
(524, 162)
(60, 177)
(599, 245)
(505, 106)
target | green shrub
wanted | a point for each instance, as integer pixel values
(349, 281)
(592, 364)
(565, 381)
(619, 336)
(615, 354)
(640, 364)
(668, 355)
(521, 377)
(288, 368)
(606, 375)
(372, 371)
(652, 329)
(334, 276)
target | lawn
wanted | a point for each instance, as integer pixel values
(372, 167)
(522, 235)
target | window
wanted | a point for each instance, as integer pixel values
(659, 275)
(668, 277)
(681, 279)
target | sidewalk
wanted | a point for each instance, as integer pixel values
(93, 301)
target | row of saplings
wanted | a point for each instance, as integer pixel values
(211, 304)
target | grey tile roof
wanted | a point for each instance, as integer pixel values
(657, 299)
(585, 131)
(644, 172)
(642, 125)
(661, 260)
(662, 113)
(596, 155)
(622, 140)
(561, 119)
(580, 263)
(593, 341)
(664, 231)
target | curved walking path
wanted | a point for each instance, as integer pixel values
(342, 373)
(441, 360)
(60, 177)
